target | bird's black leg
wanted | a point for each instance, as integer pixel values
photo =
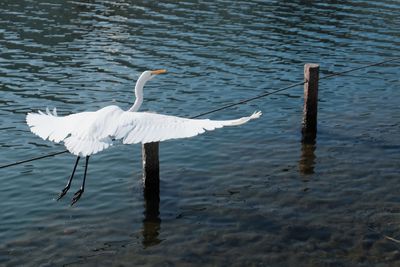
(66, 188)
(79, 193)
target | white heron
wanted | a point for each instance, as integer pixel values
(87, 133)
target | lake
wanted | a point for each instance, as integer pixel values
(251, 195)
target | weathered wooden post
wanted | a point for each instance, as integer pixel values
(151, 179)
(151, 166)
(309, 129)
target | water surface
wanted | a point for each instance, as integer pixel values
(243, 196)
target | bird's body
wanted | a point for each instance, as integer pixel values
(87, 133)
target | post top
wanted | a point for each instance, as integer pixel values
(311, 65)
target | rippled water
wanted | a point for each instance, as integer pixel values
(243, 196)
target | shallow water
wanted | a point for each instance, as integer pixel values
(243, 196)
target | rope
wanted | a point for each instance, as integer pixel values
(32, 159)
(359, 68)
(233, 104)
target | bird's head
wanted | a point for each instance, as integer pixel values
(150, 74)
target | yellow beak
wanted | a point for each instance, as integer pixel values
(158, 71)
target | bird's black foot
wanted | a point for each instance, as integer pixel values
(77, 196)
(63, 192)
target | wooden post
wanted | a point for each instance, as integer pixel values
(309, 129)
(151, 165)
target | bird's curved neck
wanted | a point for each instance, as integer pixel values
(139, 94)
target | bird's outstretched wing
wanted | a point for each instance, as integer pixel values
(50, 126)
(87, 133)
(144, 127)
(83, 133)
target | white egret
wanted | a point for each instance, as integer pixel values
(87, 133)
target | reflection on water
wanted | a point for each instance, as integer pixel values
(152, 221)
(151, 231)
(230, 197)
(307, 158)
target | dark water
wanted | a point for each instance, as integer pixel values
(243, 196)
